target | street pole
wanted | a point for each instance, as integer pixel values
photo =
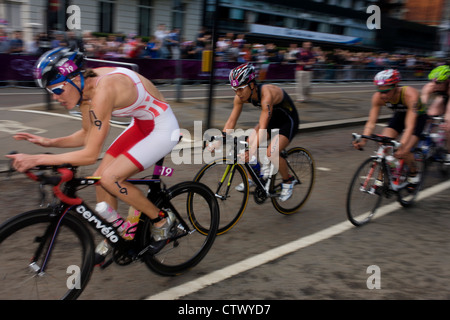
(211, 77)
(178, 67)
(48, 28)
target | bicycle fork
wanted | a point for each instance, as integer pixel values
(368, 178)
(229, 171)
(48, 238)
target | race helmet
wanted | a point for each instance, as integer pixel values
(439, 74)
(57, 65)
(242, 74)
(387, 77)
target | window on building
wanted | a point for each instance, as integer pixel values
(178, 15)
(302, 24)
(56, 14)
(323, 27)
(106, 16)
(313, 26)
(145, 16)
(13, 15)
(277, 21)
(337, 29)
(237, 14)
(263, 18)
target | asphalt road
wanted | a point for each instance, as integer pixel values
(315, 254)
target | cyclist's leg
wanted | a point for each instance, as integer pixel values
(441, 107)
(446, 114)
(139, 147)
(101, 193)
(391, 131)
(283, 127)
(114, 182)
(277, 144)
(436, 108)
(409, 158)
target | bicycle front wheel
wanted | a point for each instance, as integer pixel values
(225, 180)
(28, 243)
(301, 167)
(188, 246)
(364, 196)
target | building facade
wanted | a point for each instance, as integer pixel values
(352, 23)
(139, 17)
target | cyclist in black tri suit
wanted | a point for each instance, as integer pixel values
(409, 117)
(435, 94)
(277, 112)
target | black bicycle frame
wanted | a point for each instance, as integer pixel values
(252, 172)
(104, 228)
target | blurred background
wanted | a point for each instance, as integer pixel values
(412, 35)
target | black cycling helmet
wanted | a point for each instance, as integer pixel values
(57, 65)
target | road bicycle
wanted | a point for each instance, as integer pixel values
(48, 253)
(377, 177)
(432, 144)
(223, 175)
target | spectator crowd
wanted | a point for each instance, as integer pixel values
(168, 44)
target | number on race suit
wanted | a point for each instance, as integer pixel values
(163, 171)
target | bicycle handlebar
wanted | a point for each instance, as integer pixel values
(377, 138)
(67, 174)
(225, 137)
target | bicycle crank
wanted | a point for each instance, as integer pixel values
(260, 195)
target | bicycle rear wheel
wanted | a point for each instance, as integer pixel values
(188, 246)
(222, 179)
(407, 195)
(301, 167)
(24, 241)
(362, 199)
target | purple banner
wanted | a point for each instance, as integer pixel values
(20, 68)
(17, 67)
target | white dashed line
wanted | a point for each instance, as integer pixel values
(276, 253)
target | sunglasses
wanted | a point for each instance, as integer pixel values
(57, 90)
(239, 88)
(385, 90)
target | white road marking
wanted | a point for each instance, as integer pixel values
(60, 115)
(12, 127)
(276, 253)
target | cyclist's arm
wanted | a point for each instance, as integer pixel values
(75, 140)
(235, 114)
(78, 138)
(411, 100)
(264, 118)
(72, 141)
(373, 114)
(425, 93)
(98, 117)
(369, 127)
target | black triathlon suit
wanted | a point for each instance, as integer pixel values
(284, 115)
(400, 109)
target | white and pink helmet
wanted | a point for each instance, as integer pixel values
(387, 77)
(242, 75)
